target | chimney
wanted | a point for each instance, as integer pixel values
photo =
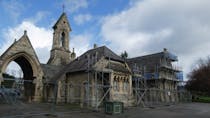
(25, 32)
(73, 54)
(95, 46)
(164, 49)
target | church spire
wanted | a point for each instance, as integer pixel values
(60, 53)
(61, 33)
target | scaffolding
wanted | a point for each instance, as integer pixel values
(140, 84)
(99, 83)
(11, 90)
(87, 94)
(148, 92)
(96, 89)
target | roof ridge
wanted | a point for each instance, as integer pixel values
(147, 55)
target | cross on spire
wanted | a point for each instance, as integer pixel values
(63, 6)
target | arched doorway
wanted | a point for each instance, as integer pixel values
(13, 77)
(30, 71)
(23, 53)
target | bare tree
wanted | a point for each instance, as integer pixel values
(200, 77)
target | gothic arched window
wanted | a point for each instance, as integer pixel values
(62, 39)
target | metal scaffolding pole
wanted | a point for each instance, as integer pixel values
(96, 91)
(88, 98)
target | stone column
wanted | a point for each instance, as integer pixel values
(111, 84)
(1, 78)
(59, 91)
(38, 94)
(1, 74)
(82, 95)
(130, 85)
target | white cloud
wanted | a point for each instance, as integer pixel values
(81, 43)
(74, 5)
(41, 38)
(148, 26)
(14, 69)
(82, 18)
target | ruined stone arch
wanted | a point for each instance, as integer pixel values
(23, 53)
(31, 71)
(24, 57)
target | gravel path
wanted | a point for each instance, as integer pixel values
(21, 110)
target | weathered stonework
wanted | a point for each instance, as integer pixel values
(106, 83)
(23, 53)
(60, 54)
(97, 75)
(53, 83)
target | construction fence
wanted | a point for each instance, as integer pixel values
(153, 97)
(93, 96)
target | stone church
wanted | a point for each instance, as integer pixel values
(96, 76)
(87, 79)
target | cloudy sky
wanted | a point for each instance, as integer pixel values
(138, 26)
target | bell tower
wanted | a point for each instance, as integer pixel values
(60, 53)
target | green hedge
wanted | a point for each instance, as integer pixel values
(203, 99)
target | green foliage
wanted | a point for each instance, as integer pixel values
(124, 55)
(5, 75)
(8, 83)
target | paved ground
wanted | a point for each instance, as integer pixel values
(21, 110)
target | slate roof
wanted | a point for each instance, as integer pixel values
(150, 61)
(50, 71)
(81, 63)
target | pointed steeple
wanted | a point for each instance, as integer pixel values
(62, 19)
(60, 54)
(61, 33)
